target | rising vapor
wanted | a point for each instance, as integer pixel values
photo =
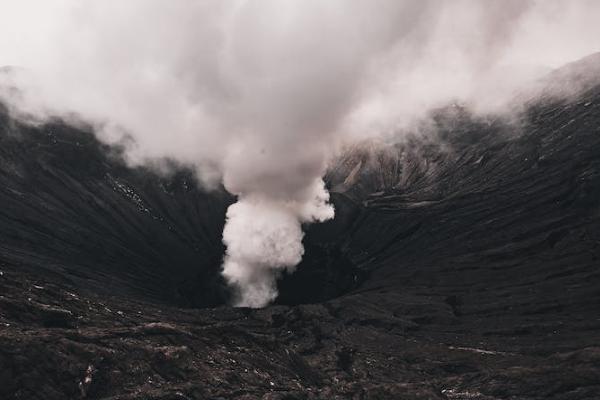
(259, 95)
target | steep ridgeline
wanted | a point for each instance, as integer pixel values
(70, 207)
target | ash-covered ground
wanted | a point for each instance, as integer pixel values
(466, 267)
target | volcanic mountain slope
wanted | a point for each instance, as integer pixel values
(465, 267)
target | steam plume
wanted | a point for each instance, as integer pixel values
(258, 95)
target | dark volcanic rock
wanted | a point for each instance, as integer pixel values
(461, 268)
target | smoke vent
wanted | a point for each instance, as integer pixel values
(325, 272)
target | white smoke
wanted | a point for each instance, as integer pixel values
(258, 95)
(264, 237)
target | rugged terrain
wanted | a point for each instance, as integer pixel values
(463, 265)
